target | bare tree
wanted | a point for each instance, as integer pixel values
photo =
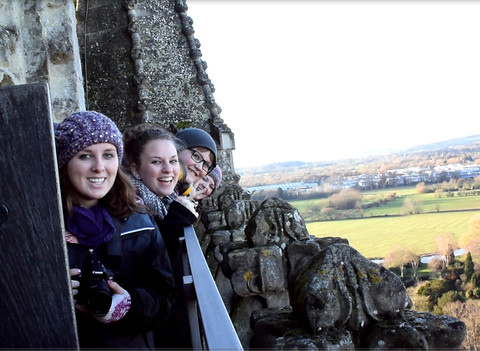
(328, 212)
(346, 199)
(469, 313)
(421, 188)
(408, 206)
(471, 239)
(418, 207)
(400, 257)
(436, 265)
(414, 260)
(446, 245)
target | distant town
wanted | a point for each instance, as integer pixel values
(457, 158)
(387, 179)
(405, 176)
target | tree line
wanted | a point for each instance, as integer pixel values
(453, 284)
(321, 172)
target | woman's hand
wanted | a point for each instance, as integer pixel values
(189, 203)
(121, 302)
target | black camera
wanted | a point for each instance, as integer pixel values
(94, 291)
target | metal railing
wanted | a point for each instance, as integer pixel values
(210, 324)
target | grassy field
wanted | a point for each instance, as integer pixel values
(429, 202)
(376, 236)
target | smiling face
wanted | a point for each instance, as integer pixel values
(195, 170)
(204, 187)
(159, 167)
(92, 173)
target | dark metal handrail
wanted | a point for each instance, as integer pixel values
(215, 330)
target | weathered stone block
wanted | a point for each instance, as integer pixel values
(339, 286)
(221, 237)
(257, 270)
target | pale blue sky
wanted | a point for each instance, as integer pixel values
(319, 80)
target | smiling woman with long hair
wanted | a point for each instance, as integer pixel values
(121, 275)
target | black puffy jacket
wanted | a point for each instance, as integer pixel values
(175, 334)
(138, 258)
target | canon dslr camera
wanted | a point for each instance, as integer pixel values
(94, 291)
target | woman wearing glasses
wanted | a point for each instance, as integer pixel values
(155, 160)
(200, 154)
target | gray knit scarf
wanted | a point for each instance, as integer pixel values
(153, 202)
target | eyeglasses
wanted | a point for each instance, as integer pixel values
(197, 157)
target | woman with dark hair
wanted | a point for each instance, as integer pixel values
(152, 163)
(160, 165)
(121, 274)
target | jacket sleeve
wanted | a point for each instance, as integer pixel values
(151, 286)
(171, 227)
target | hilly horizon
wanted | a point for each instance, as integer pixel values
(439, 145)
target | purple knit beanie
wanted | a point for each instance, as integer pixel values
(82, 129)
(216, 175)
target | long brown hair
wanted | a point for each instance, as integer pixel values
(120, 201)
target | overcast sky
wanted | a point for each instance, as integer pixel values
(319, 80)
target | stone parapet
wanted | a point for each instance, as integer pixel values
(290, 290)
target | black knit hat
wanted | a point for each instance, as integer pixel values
(194, 137)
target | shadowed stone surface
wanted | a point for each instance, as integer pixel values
(275, 222)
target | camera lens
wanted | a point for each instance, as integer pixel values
(99, 298)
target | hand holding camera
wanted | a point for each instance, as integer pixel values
(121, 302)
(96, 293)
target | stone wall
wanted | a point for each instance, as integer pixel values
(38, 44)
(287, 290)
(143, 64)
(135, 61)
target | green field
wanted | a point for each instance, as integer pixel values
(376, 236)
(429, 202)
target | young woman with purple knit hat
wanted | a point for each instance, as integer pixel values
(121, 274)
